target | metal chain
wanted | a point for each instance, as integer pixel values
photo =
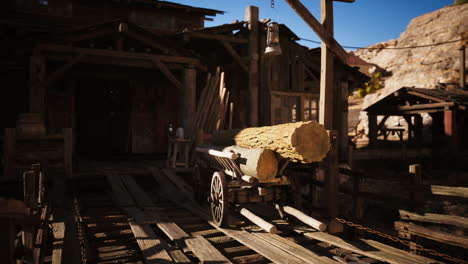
(272, 4)
(81, 236)
(404, 242)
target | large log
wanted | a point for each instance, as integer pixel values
(258, 163)
(301, 141)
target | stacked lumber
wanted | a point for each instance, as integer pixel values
(212, 106)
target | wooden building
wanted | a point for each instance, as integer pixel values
(117, 73)
(447, 108)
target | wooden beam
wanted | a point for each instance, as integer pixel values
(455, 220)
(231, 39)
(54, 49)
(123, 28)
(189, 101)
(447, 238)
(320, 30)
(61, 71)
(204, 251)
(382, 122)
(167, 73)
(370, 248)
(294, 93)
(251, 16)
(235, 56)
(37, 91)
(88, 35)
(429, 97)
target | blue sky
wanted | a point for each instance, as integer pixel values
(362, 23)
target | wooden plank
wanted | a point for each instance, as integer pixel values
(235, 56)
(58, 229)
(451, 239)
(140, 197)
(204, 251)
(320, 30)
(179, 257)
(178, 181)
(167, 73)
(116, 54)
(435, 218)
(231, 39)
(369, 248)
(153, 249)
(449, 191)
(299, 251)
(274, 254)
(121, 195)
(41, 237)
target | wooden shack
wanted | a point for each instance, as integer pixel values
(117, 73)
(446, 107)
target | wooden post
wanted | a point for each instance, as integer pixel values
(68, 151)
(418, 129)
(9, 152)
(251, 16)
(372, 129)
(190, 93)
(326, 70)
(416, 171)
(30, 199)
(37, 91)
(357, 199)
(330, 165)
(450, 128)
(462, 67)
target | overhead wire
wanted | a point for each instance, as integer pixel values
(396, 48)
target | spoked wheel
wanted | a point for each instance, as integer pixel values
(218, 198)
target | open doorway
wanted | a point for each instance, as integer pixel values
(102, 116)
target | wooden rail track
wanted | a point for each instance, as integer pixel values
(136, 218)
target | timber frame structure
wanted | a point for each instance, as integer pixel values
(447, 109)
(118, 83)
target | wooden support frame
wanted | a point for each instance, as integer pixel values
(251, 15)
(125, 30)
(167, 73)
(234, 55)
(54, 49)
(319, 29)
(62, 70)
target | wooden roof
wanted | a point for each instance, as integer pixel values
(410, 100)
(185, 8)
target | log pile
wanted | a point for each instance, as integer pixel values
(303, 142)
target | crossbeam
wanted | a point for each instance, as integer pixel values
(319, 29)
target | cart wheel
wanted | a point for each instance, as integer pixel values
(218, 198)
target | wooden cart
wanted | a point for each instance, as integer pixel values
(229, 186)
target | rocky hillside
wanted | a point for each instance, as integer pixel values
(423, 67)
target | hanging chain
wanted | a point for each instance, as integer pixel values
(272, 4)
(81, 236)
(404, 242)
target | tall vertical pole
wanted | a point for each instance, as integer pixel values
(327, 92)
(190, 93)
(462, 67)
(251, 16)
